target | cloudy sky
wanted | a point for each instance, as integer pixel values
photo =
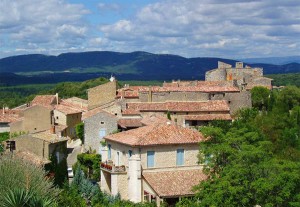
(190, 28)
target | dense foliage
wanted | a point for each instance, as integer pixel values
(285, 79)
(80, 131)
(256, 159)
(3, 137)
(24, 184)
(89, 163)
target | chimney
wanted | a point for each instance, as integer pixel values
(56, 95)
(52, 130)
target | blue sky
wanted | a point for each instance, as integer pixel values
(190, 28)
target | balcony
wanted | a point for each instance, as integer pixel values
(110, 167)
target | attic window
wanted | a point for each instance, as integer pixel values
(102, 122)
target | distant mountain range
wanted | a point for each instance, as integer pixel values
(125, 66)
(274, 60)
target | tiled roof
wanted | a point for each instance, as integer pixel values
(204, 88)
(32, 158)
(174, 183)
(67, 110)
(73, 103)
(9, 115)
(130, 112)
(125, 123)
(208, 117)
(157, 134)
(44, 100)
(95, 111)
(49, 137)
(154, 119)
(189, 106)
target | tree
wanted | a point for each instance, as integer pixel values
(20, 180)
(80, 131)
(260, 97)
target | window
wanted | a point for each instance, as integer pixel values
(102, 122)
(109, 152)
(150, 158)
(180, 157)
(102, 133)
(129, 153)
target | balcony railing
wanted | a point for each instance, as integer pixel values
(112, 168)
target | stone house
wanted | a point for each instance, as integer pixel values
(97, 124)
(157, 163)
(40, 146)
(67, 118)
(35, 118)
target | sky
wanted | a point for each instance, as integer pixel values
(189, 28)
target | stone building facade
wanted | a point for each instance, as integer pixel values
(42, 145)
(97, 124)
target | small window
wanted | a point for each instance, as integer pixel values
(229, 102)
(116, 114)
(109, 152)
(57, 117)
(150, 158)
(175, 120)
(129, 153)
(180, 157)
(34, 128)
(102, 122)
(102, 133)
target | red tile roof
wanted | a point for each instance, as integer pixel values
(44, 100)
(95, 111)
(154, 119)
(189, 106)
(9, 115)
(157, 134)
(127, 123)
(208, 117)
(204, 88)
(130, 112)
(174, 183)
(67, 110)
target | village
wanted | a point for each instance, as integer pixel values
(146, 135)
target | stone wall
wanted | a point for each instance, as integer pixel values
(92, 126)
(36, 118)
(32, 144)
(215, 75)
(102, 94)
(173, 96)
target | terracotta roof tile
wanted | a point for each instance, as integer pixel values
(32, 158)
(9, 115)
(213, 105)
(130, 112)
(95, 111)
(174, 183)
(125, 123)
(208, 117)
(44, 100)
(204, 88)
(49, 137)
(157, 134)
(154, 119)
(67, 109)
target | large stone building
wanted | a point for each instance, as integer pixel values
(156, 163)
(243, 77)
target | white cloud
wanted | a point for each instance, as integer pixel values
(228, 29)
